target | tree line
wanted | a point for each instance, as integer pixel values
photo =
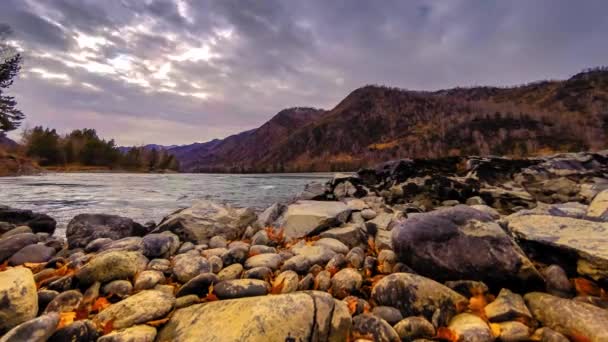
(85, 148)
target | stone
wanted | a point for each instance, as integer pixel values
(272, 261)
(351, 235)
(218, 242)
(198, 285)
(216, 263)
(64, 302)
(161, 245)
(306, 257)
(78, 331)
(333, 244)
(336, 263)
(131, 243)
(313, 191)
(233, 271)
(137, 309)
(355, 257)
(97, 245)
(238, 288)
(568, 317)
(287, 317)
(36, 330)
(588, 240)
(161, 265)
(323, 281)
(599, 206)
(513, 332)
(306, 218)
(85, 228)
(368, 214)
(470, 328)
(235, 255)
(148, 279)
(415, 295)
(388, 313)
(368, 325)
(508, 306)
(111, 265)
(438, 245)
(185, 301)
(286, 282)
(260, 249)
(37, 253)
(260, 238)
(383, 239)
(386, 261)
(118, 288)
(185, 247)
(188, 265)
(205, 219)
(36, 221)
(307, 283)
(270, 215)
(17, 230)
(468, 288)
(138, 333)
(12, 244)
(18, 297)
(557, 281)
(412, 328)
(45, 297)
(475, 200)
(261, 273)
(346, 282)
(549, 335)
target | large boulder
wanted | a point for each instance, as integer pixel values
(304, 218)
(85, 228)
(439, 245)
(301, 316)
(576, 244)
(39, 223)
(18, 297)
(574, 319)
(206, 219)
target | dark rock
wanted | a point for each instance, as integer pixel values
(62, 283)
(37, 222)
(238, 288)
(557, 281)
(65, 302)
(233, 271)
(198, 285)
(32, 254)
(307, 283)
(78, 331)
(470, 328)
(368, 325)
(412, 328)
(236, 255)
(118, 288)
(45, 297)
(160, 245)
(388, 313)
(261, 273)
(35, 330)
(508, 306)
(85, 228)
(12, 244)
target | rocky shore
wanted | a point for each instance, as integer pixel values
(453, 249)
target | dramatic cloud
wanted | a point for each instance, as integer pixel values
(179, 71)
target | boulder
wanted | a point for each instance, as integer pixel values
(438, 244)
(305, 218)
(138, 333)
(470, 328)
(12, 244)
(37, 222)
(85, 228)
(18, 297)
(139, 308)
(300, 316)
(416, 295)
(238, 288)
(583, 243)
(111, 265)
(571, 318)
(37, 253)
(36, 330)
(205, 219)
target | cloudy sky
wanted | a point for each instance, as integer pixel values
(179, 71)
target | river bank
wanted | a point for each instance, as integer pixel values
(454, 249)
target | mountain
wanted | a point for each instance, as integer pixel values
(376, 123)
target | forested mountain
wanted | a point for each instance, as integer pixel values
(377, 123)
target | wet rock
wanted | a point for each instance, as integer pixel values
(238, 288)
(261, 273)
(416, 295)
(347, 281)
(233, 271)
(568, 317)
(189, 265)
(557, 281)
(19, 217)
(160, 245)
(306, 257)
(565, 236)
(236, 255)
(298, 316)
(351, 235)
(198, 285)
(305, 218)
(85, 228)
(599, 206)
(32, 254)
(468, 288)
(272, 261)
(78, 331)
(45, 297)
(513, 331)
(333, 244)
(508, 306)
(35, 330)
(97, 245)
(64, 302)
(438, 244)
(136, 309)
(138, 333)
(205, 219)
(18, 297)
(412, 328)
(323, 281)
(161, 265)
(111, 265)
(470, 328)
(374, 327)
(218, 242)
(388, 313)
(12, 244)
(118, 288)
(148, 279)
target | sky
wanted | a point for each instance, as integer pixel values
(182, 71)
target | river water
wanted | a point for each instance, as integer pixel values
(145, 197)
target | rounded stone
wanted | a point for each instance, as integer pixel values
(414, 327)
(78, 331)
(189, 265)
(198, 285)
(270, 260)
(36, 330)
(19, 297)
(111, 265)
(368, 325)
(218, 242)
(388, 313)
(118, 288)
(138, 333)
(286, 282)
(261, 273)
(238, 288)
(139, 308)
(148, 279)
(345, 282)
(368, 214)
(65, 302)
(233, 271)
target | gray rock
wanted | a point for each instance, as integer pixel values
(198, 285)
(305, 218)
(470, 328)
(64, 302)
(368, 214)
(205, 219)
(412, 328)
(346, 282)
(569, 317)
(12, 244)
(85, 228)
(233, 271)
(416, 295)
(137, 309)
(148, 279)
(78, 331)
(286, 282)
(18, 297)
(238, 288)
(118, 288)
(306, 257)
(111, 265)
(32, 254)
(138, 333)
(160, 245)
(513, 332)
(351, 235)
(366, 325)
(45, 297)
(272, 261)
(185, 247)
(507, 306)
(297, 316)
(388, 313)
(188, 265)
(438, 244)
(35, 330)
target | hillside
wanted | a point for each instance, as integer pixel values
(376, 123)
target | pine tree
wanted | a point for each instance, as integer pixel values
(10, 64)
